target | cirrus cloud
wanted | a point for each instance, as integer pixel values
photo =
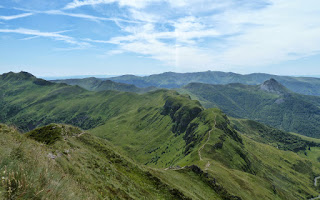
(228, 34)
(200, 34)
(11, 17)
(52, 35)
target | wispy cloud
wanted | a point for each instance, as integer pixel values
(78, 15)
(226, 34)
(52, 35)
(85, 16)
(181, 51)
(11, 17)
(179, 56)
(77, 3)
(130, 3)
(284, 30)
(98, 41)
(198, 34)
(180, 45)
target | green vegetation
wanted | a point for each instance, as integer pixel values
(301, 85)
(53, 133)
(274, 137)
(312, 152)
(95, 84)
(79, 167)
(270, 103)
(140, 146)
(27, 173)
(29, 105)
(244, 167)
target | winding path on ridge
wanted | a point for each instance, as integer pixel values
(316, 180)
(209, 134)
(199, 151)
(315, 184)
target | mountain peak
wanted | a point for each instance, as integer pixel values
(273, 86)
(18, 76)
(26, 74)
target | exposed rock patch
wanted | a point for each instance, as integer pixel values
(273, 86)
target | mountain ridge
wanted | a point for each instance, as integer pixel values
(302, 85)
(159, 129)
(270, 103)
(96, 84)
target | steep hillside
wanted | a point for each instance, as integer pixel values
(95, 84)
(273, 137)
(243, 166)
(80, 167)
(158, 145)
(270, 103)
(302, 85)
(29, 102)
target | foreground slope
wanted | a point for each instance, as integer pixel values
(190, 152)
(302, 85)
(270, 103)
(80, 166)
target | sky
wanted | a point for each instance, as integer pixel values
(114, 37)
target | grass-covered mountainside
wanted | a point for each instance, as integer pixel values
(81, 166)
(243, 166)
(274, 137)
(270, 103)
(158, 145)
(95, 84)
(302, 85)
(29, 102)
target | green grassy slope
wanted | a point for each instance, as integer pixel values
(83, 167)
(255, 170)
(95, 84)
(244, 167)
(28, 104)
(158, 129)
(313, 152)
(27, 173)
(302, 85)
(304, 146)
(281, 109)
(274, 137)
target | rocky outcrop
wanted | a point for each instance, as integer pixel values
(273, 86)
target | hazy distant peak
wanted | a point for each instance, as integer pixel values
(91, 78)
(273, 86)
(18, 76)
(26, 74)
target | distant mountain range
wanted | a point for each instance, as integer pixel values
(171, 80)
(270, 103)
(95, 84)
(49, 78)
(302, 85)
(191, 152)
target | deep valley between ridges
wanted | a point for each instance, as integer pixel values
(125, 141)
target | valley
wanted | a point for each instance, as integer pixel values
(270, 103)
(119, 144)
(159, 100)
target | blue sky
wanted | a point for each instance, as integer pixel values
(113, 37)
